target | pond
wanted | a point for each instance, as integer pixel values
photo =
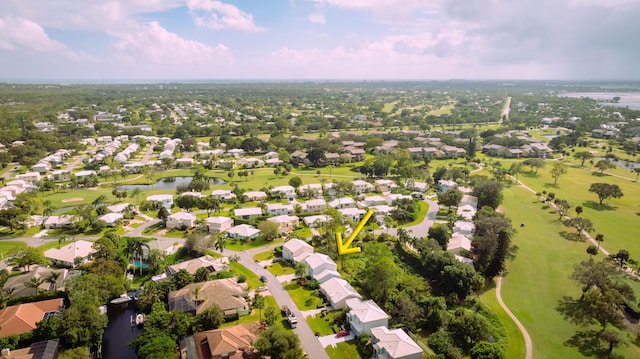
(166, 184)
(119, 332)
(622, 163)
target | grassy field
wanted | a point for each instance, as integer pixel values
(424, 207)
(236, 245)
(344, 350)
(305, 299)
(7, 246)
(280, 269)
(252, 279)
(269, 301)
(263, 256)
(515, 344)
(539, 276)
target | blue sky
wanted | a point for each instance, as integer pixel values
(319, 39)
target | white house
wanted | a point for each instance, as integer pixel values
(384, 185)
(353, 214)
(344, 202)
(445, 185)
(286, 223)
(41, 167)
(163, 200)
(363, 186)
(365, 315)
(256, 195)
(416, 186)
(247, 212)
(466, 211)
(30, 176)
(314, 205)
(66, 256)
(470, 200)
(296, 250)
(54, 222)
(243, 232)
(393, 344)
(391, 197)
(316, 221)
(218, 224)
(373, 201)
(120, 207)
(223, 195)
(276, 209)
(192, 194)
(315, 188)
(181, 220)
(337, 291)
(110, 218)
(326, 274)
(164, 246)
(465, 228)
(287, 192)
(458, 244)
(318, 262)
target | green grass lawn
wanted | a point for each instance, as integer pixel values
(280, 269)
(7, 246)
(263, 256)
(305, 299)
(252, 279)
(236, 245)
(29, 232)
(424, 207)
(344, 350)
(515, 341)
(269, 301)
(323, 325)
(539, 276)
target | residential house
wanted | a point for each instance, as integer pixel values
(287, 192)
(77, 251)
(383, 210)
(29, 176)
(23, 318)
(235, 152)
(318, 262)
(120, 207)
(286, 223)
(393, 344)
(223, 195)
(19, 283)
(243, 232)
(192, 194)
(357, 154)
(313, 189)
(314, 205)
(494, 150)
(316, 221)
(326, 274)
(191, 266)
(372, 201)
(56, 222)
(331, 158)
(459, 244)
(353, 214)
(162, 200)
(344, 202)
(110, 218)
(271, 155)
(384, 185)
(247, 212)
(464, 227)
(392, 197)
(251, 162)
(365, 315)
(46, 349)
(227, 343)
(255, 195)
(276, 209)
(337, 291)
(470, 200)
(41, 167)
(466, 211)
(184, 162)
(363, 186)
(218, 224)
(445, 185)
(295, 250)
(165, 246)
(227, 294)
(181, 220)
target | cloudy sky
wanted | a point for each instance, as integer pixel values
(319, 39)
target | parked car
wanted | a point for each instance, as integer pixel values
(263, 279)
(342, 333)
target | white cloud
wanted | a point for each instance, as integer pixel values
(219, 16)
(17, 33)
(317, 18)
(153, 44)
(386, 11)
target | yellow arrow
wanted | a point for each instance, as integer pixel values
(343, 248)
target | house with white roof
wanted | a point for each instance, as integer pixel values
(383, 210)
(393, 344)
(338, 291)
(314, 205)
(184, 162)
(276, 209)
(365, 315)
(314, 188)
(110, 218)
(181, 220)
(353, 214)
(372, 201)
(164, 246)
(162, 200)
(247, 212)
(286, 223)
(223, 195)
(120, 207)
(445, 185)
(344, 202)
(464, 227)
(416, 186)
(470, 200)
(192, 194)
(235, 152)
(384, 185)
(326, 274)
(318, 262)
(363, 186)
(55, 222)
(391, 197)
(218, 224)
(287, 192)
(256, 195)
(30, 176)
(459, 244)
(41, 167)
(60, 175)
(466, 211)
(192, 265)
(66, 256)
(243, 232)
(316, 221)
(296, 250)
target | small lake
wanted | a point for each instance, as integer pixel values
(627, 99)
(622, 163)
(119, 332)
(165, 184)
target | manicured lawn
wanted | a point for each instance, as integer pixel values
(515, 341)
(344, 350)
(323, 325)
(280, 269)
(263, 256)
(539, 276)
(252, 279)
(302, 233)
(7, 246)
(305, 299)
(269, 301)
(424, 207)
(29, 232)
(236, 245)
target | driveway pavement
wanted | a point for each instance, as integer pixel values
(333, 339)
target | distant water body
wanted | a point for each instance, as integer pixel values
(627, 99)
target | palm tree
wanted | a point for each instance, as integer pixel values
(196, 293)
(220, 242)
(136, 193)
(135, 247)
(34, 282)
(599, 239)
(52, 278)
(301, 270)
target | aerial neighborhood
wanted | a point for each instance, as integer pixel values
(204, 221)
